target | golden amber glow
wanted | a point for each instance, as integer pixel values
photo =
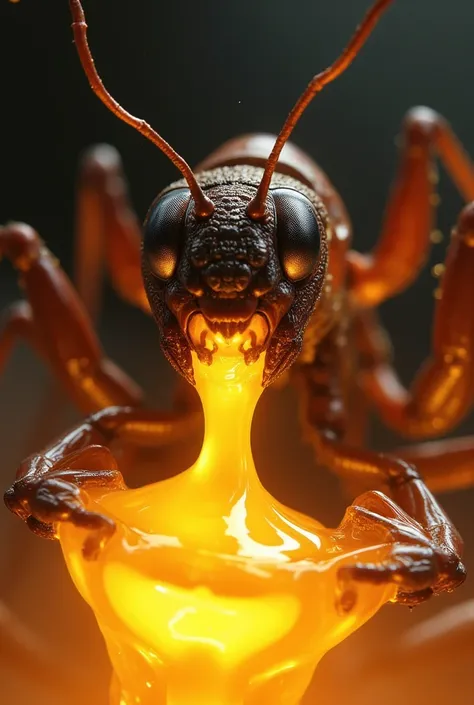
(233, 627)
(211, 592)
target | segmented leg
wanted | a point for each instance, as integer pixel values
(445, 465)
(107, 230)
(419, 563)
(443, 390)
(405, 239)
(54, 321)
(16, 322)
(427, 548)
(48, 485)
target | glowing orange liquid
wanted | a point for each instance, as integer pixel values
(211, 592)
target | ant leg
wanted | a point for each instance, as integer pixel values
(443, 390)
(106, 229)
(426, 552)
(405, 239)
(17, 322)
(445, 465)
(48, 485)
(55, 322)
(410, 564)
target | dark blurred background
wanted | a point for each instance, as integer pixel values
(201, 73)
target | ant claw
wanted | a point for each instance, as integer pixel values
(413, 599)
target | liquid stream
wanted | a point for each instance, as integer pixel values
(211, 592)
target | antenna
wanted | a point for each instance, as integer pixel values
(203, 205)
(256, 208)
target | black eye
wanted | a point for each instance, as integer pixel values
(163, 232)
(297, 233)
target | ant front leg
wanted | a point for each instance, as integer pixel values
(426, 554)
(426, 548)
(445, 465)
(107, 229)
(48, 487)
(53, 320)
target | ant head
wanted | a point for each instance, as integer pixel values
(230, 278)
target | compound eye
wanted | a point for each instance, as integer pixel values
(163, 232)
(298, 233)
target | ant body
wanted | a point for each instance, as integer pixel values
(258, 241)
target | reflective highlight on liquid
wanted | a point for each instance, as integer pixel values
(211, 592)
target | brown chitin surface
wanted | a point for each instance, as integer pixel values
(231, 188)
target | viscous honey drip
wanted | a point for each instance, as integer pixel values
(211, 592)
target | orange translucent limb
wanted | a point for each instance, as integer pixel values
(107, 230)
(54, 320)
(443, 390)
(17, 324)
(445, 465)
(405, 239)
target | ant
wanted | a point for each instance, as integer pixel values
(258, 233)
